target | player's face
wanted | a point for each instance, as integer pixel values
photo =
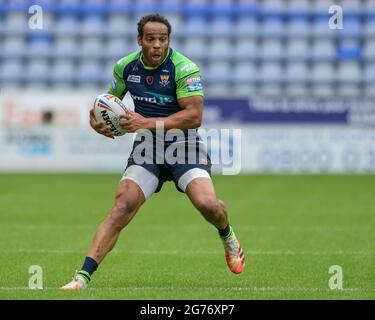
(154, 43)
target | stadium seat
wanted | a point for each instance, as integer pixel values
(245, 48)
(196, 25)
(323, 73)
(270, 89)
(220, 48)
(322, 90)
(352, 27)
(244, 90)
(323, 49)
(37, 70)
(298, 27)
(349, 49)
(369, 27)
(272, 49)
(195, 48)
(369, 74)
(369, 90)
(296, 90)
(270, 72)
(219, 71)
(298, 49)
(299, 7)
(272, 26)
(65, 47)
(14, 47)
(63, 71)
(297, 72)
(93, 25)
(320, 27)
(12, 71)
(246, 26)
(220, 26)
(244, 73)
(119, 24)
(67, 25)
(40, 47)
(274, 6)
(89, 73)
(15, 23)
(91, 48)
(348, 90)
(369, 49)
(219, 90)
(117, 48)
(349, 71)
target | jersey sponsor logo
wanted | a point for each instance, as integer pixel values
(164, 79)
(155, 98)
(194, 84)
(134, 78)
(188, 67)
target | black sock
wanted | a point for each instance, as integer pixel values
(88, 268)
(225, 232)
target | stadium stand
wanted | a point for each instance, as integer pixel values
(264, 46)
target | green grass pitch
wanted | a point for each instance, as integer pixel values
(292, 228)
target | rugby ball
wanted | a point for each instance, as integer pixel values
(108, 108)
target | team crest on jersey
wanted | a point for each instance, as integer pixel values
(164, 79)
(150, 80)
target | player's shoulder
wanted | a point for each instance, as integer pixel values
(184, 66)
(123, 62)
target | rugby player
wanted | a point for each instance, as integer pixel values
(166, 88)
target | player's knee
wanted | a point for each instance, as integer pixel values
(209, 206)
(121, 214)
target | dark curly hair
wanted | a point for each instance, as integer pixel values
(155, 17)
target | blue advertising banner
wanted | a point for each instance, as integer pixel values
(284, 110)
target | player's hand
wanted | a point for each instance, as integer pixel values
(99, 126)
(132, 121)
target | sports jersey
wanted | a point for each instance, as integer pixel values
(155, 90)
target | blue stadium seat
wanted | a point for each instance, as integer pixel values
(219, 72)
(324, 49)
(246, 26)
(349, 49)
(12, 71)
(271, 72)
(14, 47)
(195, 48)
(117, 48)
(63, 71)
(15, 23)
(298, 27)
(272, 26)
(246, 48)
(220, 48)
(298, 49)
(89, 73)
(244, 73)
(323, 73)
(40, 45)
(320, 27)
(352, 27)
(369, 27)
(65, 47)
(91, 48)
(369, 49)
(369, 74)
(297, 72)
(93, 25)
(37, 70)
(220, 26)
(196, 25)
(119, 24)
(349, 72)
(67, 24)
(272, 49)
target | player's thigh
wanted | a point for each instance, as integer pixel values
(136, 185)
